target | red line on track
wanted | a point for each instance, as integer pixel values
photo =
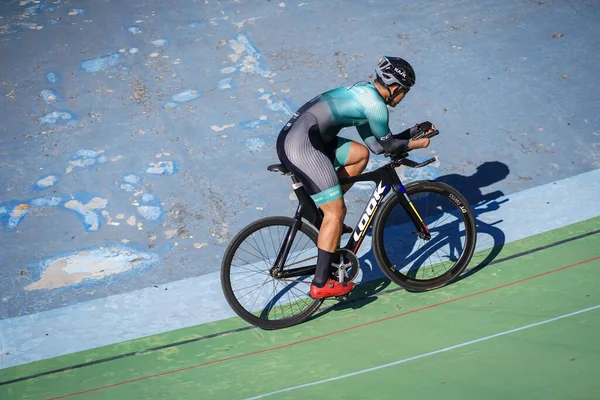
(327, 334)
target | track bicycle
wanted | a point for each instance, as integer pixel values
(423, 237)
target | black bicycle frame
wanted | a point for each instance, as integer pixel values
(386, 180)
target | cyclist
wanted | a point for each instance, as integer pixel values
(309, 146)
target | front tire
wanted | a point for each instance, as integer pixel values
(419, 265)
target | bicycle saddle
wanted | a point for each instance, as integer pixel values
(278, 168)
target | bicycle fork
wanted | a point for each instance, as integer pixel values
(420, 226)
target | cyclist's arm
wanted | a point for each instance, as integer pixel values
(385, 144)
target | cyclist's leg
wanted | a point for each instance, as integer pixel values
(351, 158)
(301, 150)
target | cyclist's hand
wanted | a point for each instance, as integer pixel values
(418, 144)
(426, 127)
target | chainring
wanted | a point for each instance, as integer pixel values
(345, 260)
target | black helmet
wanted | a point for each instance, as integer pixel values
(395, 70)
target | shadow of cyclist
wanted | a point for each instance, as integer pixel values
(490, 238)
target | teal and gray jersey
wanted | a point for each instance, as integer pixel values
(360, 106)
(309, 145)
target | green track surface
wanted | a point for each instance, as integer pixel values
(556, 360)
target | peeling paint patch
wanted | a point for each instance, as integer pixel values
(183, 97)
(132, 178)
(248, 58)
(274, 104)
(130, 182)
(50, 96)
(225, 84)
(13, 213)
(52, 77)
(150, 213)
(47, 202)
(134, 29)
(259, 143)
(76, 11)
(147, 197)
(252, 123)
(160, 42)
(221, 128)
(91, 266)
(85, 159)
(101, 63)
(255, 144)
(87, 211)
(228, 70)
(58, 117)
(46, 182)
(162, 168)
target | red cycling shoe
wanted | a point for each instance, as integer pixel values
(332, 288)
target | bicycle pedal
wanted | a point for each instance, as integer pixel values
(341, 298)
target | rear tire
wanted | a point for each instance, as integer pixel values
(272, 303)
(419, 265)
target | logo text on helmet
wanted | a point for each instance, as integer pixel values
(400, 72)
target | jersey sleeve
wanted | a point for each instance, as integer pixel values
(376, 132)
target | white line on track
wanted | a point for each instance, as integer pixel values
(522, 328)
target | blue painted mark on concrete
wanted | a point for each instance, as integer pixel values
(77, 11)
(163, 168)
(86, 158)
(160, 42)
(50, 96)
(33, 10)
(102, 63)
(183, 97)
(52, 77)
(261, 143)
(225, 84)
(253, 123)
(249, 59)
(130, 183)
(59, 117)
(151, 210)
(135, 29)
(132, 178)
(127, 187)
(147, 198)
(42, 202)
(275, 104)
(12, 212)
(45, 182)
(255, 144)
(194, 26)
(150, 213)
(87, 209)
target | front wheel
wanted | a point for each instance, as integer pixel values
(256, 294)
(417, 264)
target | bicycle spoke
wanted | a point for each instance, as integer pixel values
(261, 298)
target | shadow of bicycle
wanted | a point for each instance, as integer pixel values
(490, 238)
